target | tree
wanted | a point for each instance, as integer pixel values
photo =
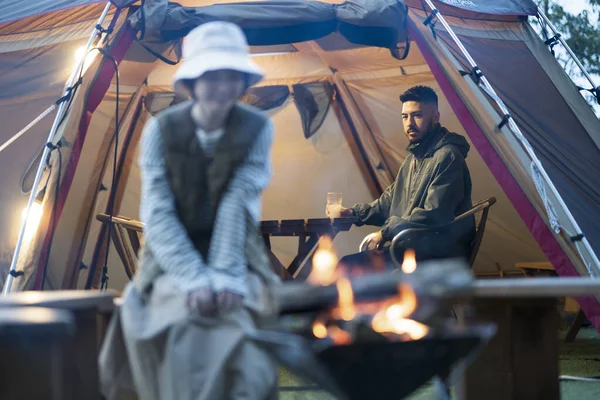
(582, 34)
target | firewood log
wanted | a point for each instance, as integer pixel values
(433, 281)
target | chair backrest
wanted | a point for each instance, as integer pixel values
(126, 235)
(481, 210)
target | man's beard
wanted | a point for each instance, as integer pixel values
(421, 136)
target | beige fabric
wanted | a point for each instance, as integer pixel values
(162, 350)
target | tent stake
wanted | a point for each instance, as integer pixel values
(487, 87)
(38, 176)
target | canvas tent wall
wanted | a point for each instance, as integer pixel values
(326, 62)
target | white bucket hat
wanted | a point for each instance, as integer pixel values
(215, 46)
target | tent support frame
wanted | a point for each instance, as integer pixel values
(582, 244)
(559, 38)
(51, 137)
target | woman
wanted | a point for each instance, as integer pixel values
(203, 279)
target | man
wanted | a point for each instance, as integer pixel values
(433, 185)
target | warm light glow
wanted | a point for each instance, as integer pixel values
(413, 329)
(409, 265)
(339, 336)
(319, 330)
(392, 318)
(345, 299)
(79, 53)
(324, 264)
(89, 59)
(33, 220)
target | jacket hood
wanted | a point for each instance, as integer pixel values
(454, 139)
(437, 139)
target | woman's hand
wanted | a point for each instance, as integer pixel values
(208, 304)
(228, 301)
(202, 300)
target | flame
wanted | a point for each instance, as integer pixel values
(324, 264)
(339, 336)
(392, 318)
(345, 299)
(389, 317)
(319, 330)
(409, 265)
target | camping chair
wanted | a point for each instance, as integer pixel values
(126, 236)
(409, 236)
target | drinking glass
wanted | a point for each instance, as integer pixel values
(334, 205)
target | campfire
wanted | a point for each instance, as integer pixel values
(389, 317)
(378, 335)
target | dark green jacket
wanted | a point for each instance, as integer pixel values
(433, 186)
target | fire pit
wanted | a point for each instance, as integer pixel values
(393, 370)
(381, 335)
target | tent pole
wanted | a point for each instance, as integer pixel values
(489, 90)
(568, 48)
(51, 137)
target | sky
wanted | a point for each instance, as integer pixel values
(573, 6)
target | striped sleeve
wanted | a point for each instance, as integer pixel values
(242, 199)
(164, 233)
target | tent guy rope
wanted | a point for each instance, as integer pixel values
(27, 128)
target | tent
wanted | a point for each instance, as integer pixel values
(334, 71)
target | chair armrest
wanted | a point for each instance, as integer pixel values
(411, 237)
(365, 242)
(127, 223)
(408, 235)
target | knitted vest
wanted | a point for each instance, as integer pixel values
(198, 183)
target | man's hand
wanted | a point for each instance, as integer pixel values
(346, 213)
(228, 301)
(202, 300)
(375, 241)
